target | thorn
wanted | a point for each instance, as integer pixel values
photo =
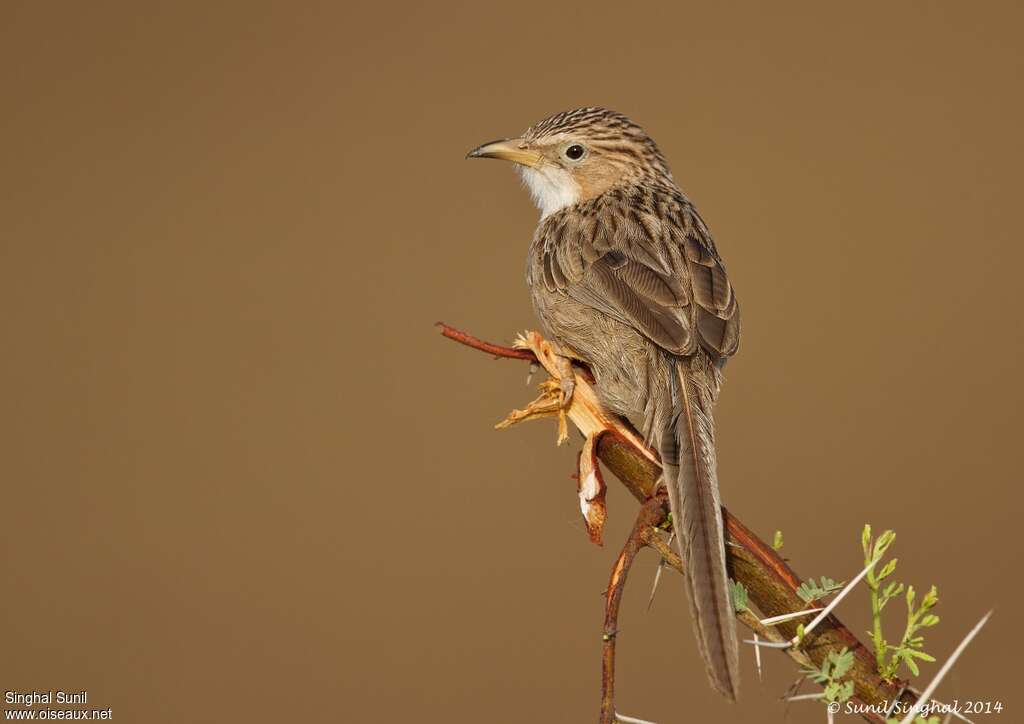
(630, 720)
(894, 702)
(658, 572)
(952, 712)
(771, 621)
(654, 588)
(795, 687)
(926, 696)
(806, 697)
(892, 705)
(757, 657)
(835, 601)
(769, 644)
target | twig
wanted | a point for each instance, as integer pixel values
(494, 349)
(651, 514)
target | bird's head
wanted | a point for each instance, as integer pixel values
(578, 155)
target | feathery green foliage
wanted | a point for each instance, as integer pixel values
(739, 596)
(833, 668)
(809, 590)
(910, 648)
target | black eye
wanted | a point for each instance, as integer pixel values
(575, 152)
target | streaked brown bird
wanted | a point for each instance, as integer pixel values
(625, 277)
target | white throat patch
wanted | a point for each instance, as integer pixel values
(552, 188)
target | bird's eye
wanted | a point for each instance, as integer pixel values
(575, 152)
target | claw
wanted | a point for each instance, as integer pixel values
(566, 380)
(531, 372)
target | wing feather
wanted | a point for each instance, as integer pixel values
(648, 262)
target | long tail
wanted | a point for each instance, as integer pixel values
(688, 452)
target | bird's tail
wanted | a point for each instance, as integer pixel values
(688, 454)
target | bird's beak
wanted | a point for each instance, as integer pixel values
(511, 149)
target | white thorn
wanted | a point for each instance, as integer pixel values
(806, 697)
(894, 702)
(654, 588)
(926, 696)
(952, 712)
(757, 657)
(788, 616)
(657, 573)
(630, 720)
(835, 601)
(769, 644)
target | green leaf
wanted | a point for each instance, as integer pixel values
(911, 665)
(887, 569)
(843, 662)
(882, 545)
(930, 598)
(777, 541)
(739, 596)
(835, 665)
(891, 591)
(811, 590)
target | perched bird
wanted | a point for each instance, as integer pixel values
(625, 277)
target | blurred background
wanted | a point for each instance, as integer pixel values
(246, 480)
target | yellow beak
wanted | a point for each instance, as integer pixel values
(511, 149)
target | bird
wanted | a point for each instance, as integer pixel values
(624, 276)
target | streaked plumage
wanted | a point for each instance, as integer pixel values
(624, 275)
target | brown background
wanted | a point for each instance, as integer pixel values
(245, 480)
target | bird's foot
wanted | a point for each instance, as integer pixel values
(548, 404)
(566, 379)
(554, 360)
(557, 391)
(569, 394)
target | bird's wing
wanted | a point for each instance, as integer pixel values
(649, 262)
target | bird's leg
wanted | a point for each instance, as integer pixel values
(556, 392)
(566, 378)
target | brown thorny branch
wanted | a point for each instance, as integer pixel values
(770, 583)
